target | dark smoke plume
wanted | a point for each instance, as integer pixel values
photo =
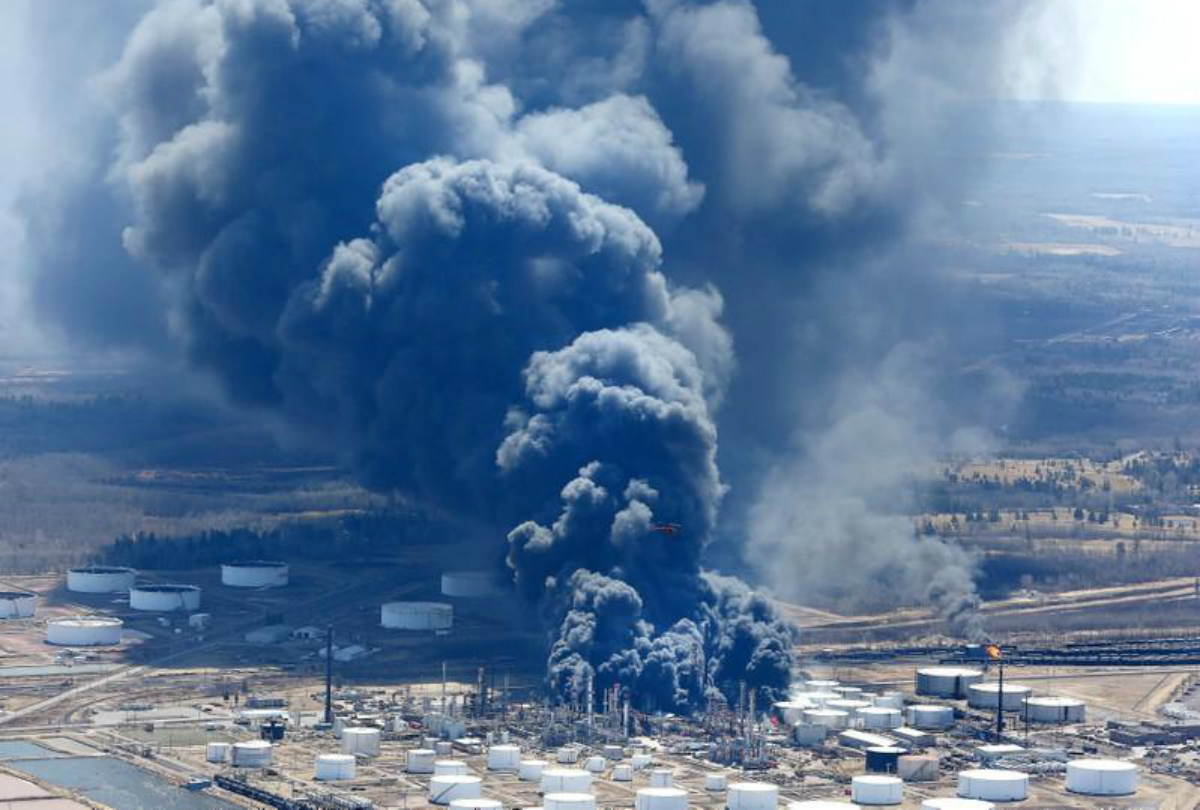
(419, 232)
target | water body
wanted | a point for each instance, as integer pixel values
(118, 784)
(23, 749)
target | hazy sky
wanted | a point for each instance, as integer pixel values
(1130, 51)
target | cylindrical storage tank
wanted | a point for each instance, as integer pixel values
(808, 735)
(955, 803)
(947, 682)
(876, 718)
(930, 717)
(569, 801)
(420, 760)
(661, 778)
(875, 790)
(882, 759)
(918, 768)
(622, 772)
(1102, 777)
(360, 740)
(830, 718)
(792, 711)
(640, 761)
(888, 700)
(993, 785)
(1055, 710)
(661, 798)
(567, 755)
(334, 767)
(595, 764)
(416, 615)
(614, 752)
(443, 748)
(530, 770)
(504, 758)
(449, 767)
(17, 604)
(470, 584)
(566, 780)
(254, 574)
(251, 754)
(84, 631)
(819, 699)
(163, 598)
(821, 686)
(446, 788)
(751, 796)
(216, 752)
(476, 804)
(100, 579)
(847, 705)
(821, 804)
(848, 692)
(714, 781)
(985, 696)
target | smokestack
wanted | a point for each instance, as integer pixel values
(329, 674)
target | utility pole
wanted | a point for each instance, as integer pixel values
(1000, 705)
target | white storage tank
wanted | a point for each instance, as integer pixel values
(622, 772)
(847, 705)
(888, 700)
(830, 718)
(661, 798)
(993, 785)
(445, 789)
(567, 755)
(100, 579)
(821, 685)
(821, 804)
(216, 752)
(84, 631)
(640, 761)
(251, 754)
(661, 777)
(420, 760)
(808, 735)
(595, 764)
(444, 748)
(876, 718)
(254, 574)
(1055, 710)
(714, 781)
(918, 768)
(986, 695)
(870, 789)
(450, 767)
(569, 801)
(614, 752)
(752, 796)
(956, 803)
(930, 717)
(792, 711)
(566, 780)
(947, 682)
(504, 758)
(530, 770)
(1102, 777)
(17, 604)
(163, 598)
(361, 740)
(470, 584)
(818, 699)
(850, 692)
(416, 615)
(476, 804)
(334, 767)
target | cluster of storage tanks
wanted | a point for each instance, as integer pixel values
(438, 617)
(964, 683)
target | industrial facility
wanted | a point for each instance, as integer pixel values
(284, 694)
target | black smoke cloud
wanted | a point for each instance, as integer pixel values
(429, 234)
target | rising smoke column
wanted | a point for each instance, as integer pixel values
(416, 231)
